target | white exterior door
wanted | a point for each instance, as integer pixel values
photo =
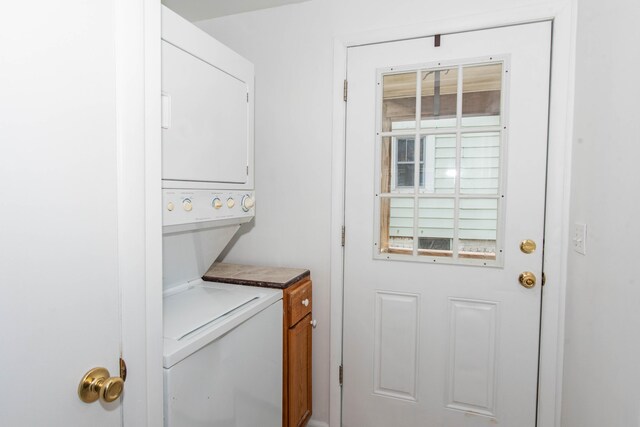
(65, 241)
(445, 177)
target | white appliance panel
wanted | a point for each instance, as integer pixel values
(205, 136)
(182, 207)
(188, 255)
(234, 381)
(215, 324)
(206, 305)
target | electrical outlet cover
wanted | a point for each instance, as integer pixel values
(580, 238)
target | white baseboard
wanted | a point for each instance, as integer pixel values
(314, 423)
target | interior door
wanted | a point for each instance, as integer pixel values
(445, 191)
(59, 238)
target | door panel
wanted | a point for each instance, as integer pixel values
(59, 236)
(439, 331)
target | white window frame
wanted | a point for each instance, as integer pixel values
(394, 164)
(420, 132)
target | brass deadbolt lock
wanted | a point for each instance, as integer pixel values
(527, 279)
(99, 384)
(528, 246)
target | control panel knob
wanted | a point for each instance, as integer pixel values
(247, 203)
(230, 203)
(170, 206)
(216, 203)
(187, 205)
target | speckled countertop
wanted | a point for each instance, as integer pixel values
(253, 275)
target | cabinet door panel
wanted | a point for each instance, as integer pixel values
(299, 342)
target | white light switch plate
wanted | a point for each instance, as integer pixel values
(580, 238)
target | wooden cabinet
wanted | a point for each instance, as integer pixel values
(296, 408)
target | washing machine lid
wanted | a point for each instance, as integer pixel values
(188, 311)
(202, 312)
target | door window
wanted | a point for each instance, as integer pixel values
(439, 190)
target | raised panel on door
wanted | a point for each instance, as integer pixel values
(299, 374)
(445, 176)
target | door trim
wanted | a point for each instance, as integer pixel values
(139, 267)
(563, 16)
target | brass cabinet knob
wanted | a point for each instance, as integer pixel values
(527, 279)
(99, 384)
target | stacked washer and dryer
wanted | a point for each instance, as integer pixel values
(222, 343)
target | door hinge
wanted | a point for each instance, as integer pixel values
(247, 96)
(340, 377)
(544, 279)
(345, 89)
(342, 238)
(247, 170)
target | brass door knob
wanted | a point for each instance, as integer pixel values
(527, 279)
(99, 384)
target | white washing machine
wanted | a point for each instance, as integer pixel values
(223, 356)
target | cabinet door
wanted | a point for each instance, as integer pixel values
(299, 342)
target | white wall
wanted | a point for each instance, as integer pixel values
(292, 48)
(602, 348)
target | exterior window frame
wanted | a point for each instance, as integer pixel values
(395, 187)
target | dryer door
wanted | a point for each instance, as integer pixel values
(205, 134)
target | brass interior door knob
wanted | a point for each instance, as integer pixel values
(527, 279)
(98, 384)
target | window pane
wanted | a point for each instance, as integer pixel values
(399, 101)
(482, 87)
(444, 163)
(404, 176)
(385, 165)
(480, 163)
(439, 98)
(478, 222)
(396, 224)
(405, 166)
(406, 149)
(405, 154)
(435, 226)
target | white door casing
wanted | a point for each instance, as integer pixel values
(75, 246)
(412, 330)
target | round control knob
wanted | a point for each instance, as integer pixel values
(216, 203)
(170, 206)
(247, 202)
(187, 205)
(230, 203)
